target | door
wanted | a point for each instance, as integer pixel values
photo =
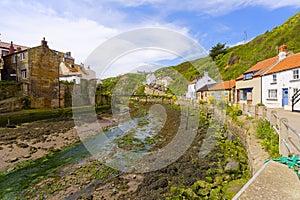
(285, 96)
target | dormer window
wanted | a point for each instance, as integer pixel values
(248, 76)
(296, 74)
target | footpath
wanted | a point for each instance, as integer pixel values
(272, 180)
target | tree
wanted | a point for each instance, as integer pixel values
(217, 50)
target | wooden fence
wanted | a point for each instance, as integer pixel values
(289, 137)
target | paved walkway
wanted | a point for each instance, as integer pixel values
(292, 117)
(273, 181)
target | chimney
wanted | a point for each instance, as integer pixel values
(11, 48)
(68, 54)
(206, 74)
(44, 43)
(282, 52)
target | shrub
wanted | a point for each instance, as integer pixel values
(270, 140)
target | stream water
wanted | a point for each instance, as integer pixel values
(16, 181)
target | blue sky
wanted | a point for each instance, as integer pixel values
(81, 26)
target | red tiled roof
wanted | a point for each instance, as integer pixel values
(260, 67)
(225, 85)
(7, 45)
(289, 62)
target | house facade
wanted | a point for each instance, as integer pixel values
(249, 84)
(224, 91)
(203, 85)
(150, 78)
(37, 69)
(191, 92)
(8, 48)
(280, 83)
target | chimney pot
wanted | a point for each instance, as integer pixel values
(44, 42)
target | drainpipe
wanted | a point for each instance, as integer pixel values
(261, 87)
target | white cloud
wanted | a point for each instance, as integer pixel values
(28, 24)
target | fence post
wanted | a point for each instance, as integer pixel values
(256, 112)
(283, 137)
(264, 112)
(273, 118)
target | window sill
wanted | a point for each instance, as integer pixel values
(295, 80)
(272, 99)
(274, 83)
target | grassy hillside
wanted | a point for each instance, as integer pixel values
(236, 61)
(239, 58)
(188, 71)
(242, 57)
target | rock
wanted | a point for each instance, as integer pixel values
(232, 165)
(13, 160)
(229, 135)
(27, 156)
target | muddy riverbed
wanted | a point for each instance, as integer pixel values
(88, 178)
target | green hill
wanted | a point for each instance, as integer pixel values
(242, 57)
(231, 64)
(238, 58)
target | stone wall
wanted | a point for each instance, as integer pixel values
(43, 77)
(9, 90)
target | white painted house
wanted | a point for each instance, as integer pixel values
(150, 78)
(203, 85)
(191, 93)
(281, 82)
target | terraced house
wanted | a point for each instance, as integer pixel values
(223, 91)
(281, 83)
(37, 69)
(249, 84)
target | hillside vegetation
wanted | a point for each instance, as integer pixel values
(238, 59)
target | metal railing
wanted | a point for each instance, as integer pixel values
(289, 137)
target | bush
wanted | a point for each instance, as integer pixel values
(270, 140)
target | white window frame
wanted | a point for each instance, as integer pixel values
(296, 74)
(24, 73)
(272, 94)
(22, 56)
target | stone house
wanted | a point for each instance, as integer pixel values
(6, 48)
(37, 68)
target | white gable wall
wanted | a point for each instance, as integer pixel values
(284, 80)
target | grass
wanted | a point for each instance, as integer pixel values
(270, 140)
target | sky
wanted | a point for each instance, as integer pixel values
(83, 27)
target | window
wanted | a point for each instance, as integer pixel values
(15, 59)
(218, 95)
(296, 74)
(24, 73)
(248, 76)
(295, 90)
(22, 56)
(226, 93)
(272, 94)
(243, 95)
(274, 78)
